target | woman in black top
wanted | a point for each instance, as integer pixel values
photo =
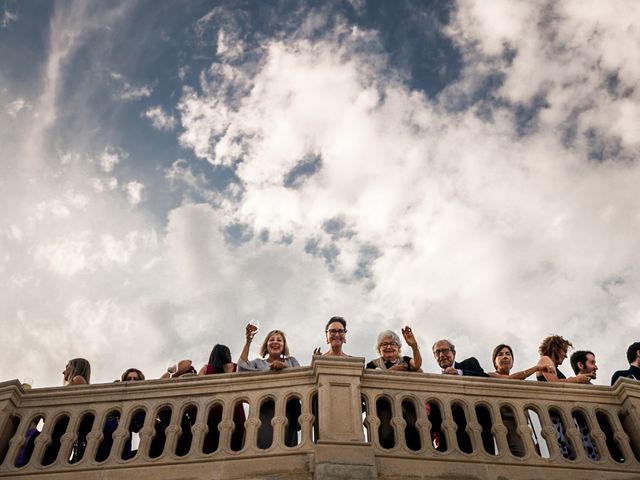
(389, 347)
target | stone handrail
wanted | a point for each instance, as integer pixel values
(330, 420)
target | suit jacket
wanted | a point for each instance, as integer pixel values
(470, 367)
(633, 372)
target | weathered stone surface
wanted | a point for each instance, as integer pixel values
(343, 414)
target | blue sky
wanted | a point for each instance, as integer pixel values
(171, 170)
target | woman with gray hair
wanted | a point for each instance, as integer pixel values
(389, 347)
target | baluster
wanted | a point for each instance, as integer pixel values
(146, 434)
(597, 437)
(621, 437)
(571, 431)
(549, 433)
(120, 435)
(279, 420)
(424, 426)
(499, 430)
(199, 430)
(448, 425)
(252, 424)
(17, 441)
(306, 420)
(226, 426)
(398, 423)
(373, 419)
(525, 431)
(473, 425)
(172, 431)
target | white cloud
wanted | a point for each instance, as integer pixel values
(131, 93)
(8, 17)
(353, 194)
(159, 119)
(111, 157)
(134, 192)
(16, 107)
(127, 91)
(458, 220)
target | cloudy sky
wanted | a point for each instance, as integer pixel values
(171, 170)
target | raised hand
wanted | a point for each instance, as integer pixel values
(317, 351)
(250, 331)
(409, 337)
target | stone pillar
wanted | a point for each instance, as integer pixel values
(341, 449)
(10, 396)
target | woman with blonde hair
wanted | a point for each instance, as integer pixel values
(274, 348)
(275, 357)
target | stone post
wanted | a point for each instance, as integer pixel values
(341, 449)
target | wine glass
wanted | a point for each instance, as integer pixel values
(172, 368)
(255, 322)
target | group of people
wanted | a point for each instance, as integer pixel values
(274, 355)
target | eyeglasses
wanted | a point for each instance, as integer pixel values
(132, 379)
(441, 351)
(337, 331)
(388, 344)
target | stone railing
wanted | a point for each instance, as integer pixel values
(330, 420)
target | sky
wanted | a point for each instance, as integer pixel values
(171, 170)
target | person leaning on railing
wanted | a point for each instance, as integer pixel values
(220, 362)
(132, 375)
(633, 357)
(77, 372)
(502, 358)
(336, 333)
(389, 347)
(275, 349)
(553, 351)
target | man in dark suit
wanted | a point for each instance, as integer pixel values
(633, 357)
(445, 354)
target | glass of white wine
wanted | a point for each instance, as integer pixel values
(255, 322)
(27, 383)
(172, 368)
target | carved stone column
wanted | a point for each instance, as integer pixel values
(341, 449)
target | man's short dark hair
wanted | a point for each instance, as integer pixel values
(632, 351)
(579, 356)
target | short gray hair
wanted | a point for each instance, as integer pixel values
(452, 347)
(388, 333)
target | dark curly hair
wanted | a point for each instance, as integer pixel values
(552, 345)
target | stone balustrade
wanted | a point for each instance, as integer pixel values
(330, 420)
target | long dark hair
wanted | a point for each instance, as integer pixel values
(220, 356)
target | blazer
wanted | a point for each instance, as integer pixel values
(633, 372)
(470, 367)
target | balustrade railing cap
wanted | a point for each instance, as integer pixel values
(337, 365)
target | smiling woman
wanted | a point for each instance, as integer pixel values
(274, 347)
(389, 347)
